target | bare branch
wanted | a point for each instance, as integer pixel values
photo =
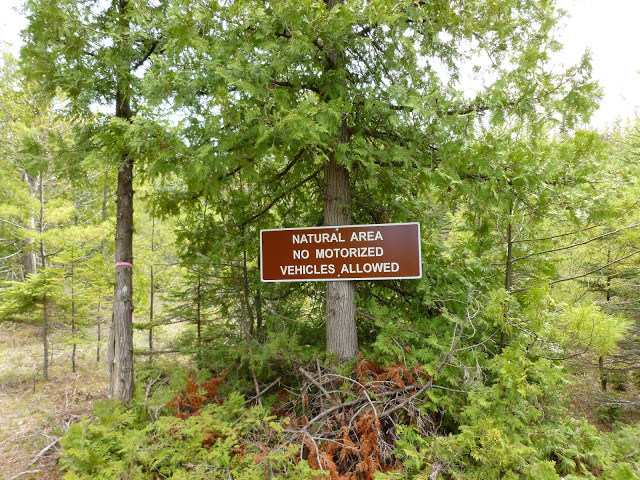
(280, 197)
(573, 245)
(146, 56)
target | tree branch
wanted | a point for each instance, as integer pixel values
(574, 244)
(280, 197)
(553, 237)
(596, 269)
(635, 252)
(290, 165)
(303, 86)
(316, 383)
(146, 56)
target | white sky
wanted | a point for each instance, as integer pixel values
(606, 27)
(609, 28)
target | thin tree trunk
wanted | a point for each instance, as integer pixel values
(41, 224)
(242, 286)
(73, 313)
(29, 262)
(121, 335)
(245, 279)
(247, 336)
(151, 293)
(199, 320)
(257, 301)
(604, 378)
(508, 276)
(45, 338)
(603, 374)
(479, 239)
(99, 331)
(45, 313)
(151, 290)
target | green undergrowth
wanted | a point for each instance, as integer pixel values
(519, 428)
(224, 441)
(516, 426)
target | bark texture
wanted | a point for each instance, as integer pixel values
(121, 333)
(342, 337)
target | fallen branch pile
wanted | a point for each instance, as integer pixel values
(348, 426)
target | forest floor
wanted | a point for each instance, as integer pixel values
(619, 403)
(35, 413)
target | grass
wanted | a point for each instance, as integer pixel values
(37, 412)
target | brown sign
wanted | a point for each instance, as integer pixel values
(350, 252)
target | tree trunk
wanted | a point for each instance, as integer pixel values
(151, 290)
(342, 337)
(99, 331)
(257, 302)
(45, 338)
(45, 313)
(199, 320)
(245, 327)
(73, 313)
(508, 276)
(43, 258)
(121, 334)
(604, 378)
(29, 264)
(245, 284)
(151, 293)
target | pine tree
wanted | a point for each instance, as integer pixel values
(93, 53)
(373, 97)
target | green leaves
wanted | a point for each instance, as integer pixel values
(588, 327)
(237, 106)
(216, 444)
(20, 298)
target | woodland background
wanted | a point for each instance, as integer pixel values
(515, 356)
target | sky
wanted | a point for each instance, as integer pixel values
(608, 28)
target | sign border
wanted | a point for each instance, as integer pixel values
(341, 279)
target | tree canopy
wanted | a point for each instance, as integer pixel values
(227, 118)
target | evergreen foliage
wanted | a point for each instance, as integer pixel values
(529, 227)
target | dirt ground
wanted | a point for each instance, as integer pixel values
(603, 409)
(36, 413)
